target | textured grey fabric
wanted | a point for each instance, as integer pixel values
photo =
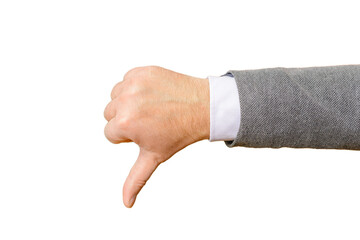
(316, 107)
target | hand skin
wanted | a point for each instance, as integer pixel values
(160, 110)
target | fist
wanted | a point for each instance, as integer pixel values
(161, 111)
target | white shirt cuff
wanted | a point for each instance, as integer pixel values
(224, 108)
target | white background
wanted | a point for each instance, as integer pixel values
(61, 179)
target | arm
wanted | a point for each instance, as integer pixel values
(163, 112)
(316, 107)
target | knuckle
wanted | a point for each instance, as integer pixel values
(123, 122)
(134, 87)
(110, 110)
(107, 110)
(113, 94)
(116, 89)
(142, 72)
(109, 135)
(106, 114)
(133, 73)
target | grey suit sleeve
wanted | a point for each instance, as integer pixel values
(316, 107)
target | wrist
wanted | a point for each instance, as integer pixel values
(203, 111)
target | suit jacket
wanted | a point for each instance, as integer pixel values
(316, 107)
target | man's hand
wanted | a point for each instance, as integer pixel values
(160, 110)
